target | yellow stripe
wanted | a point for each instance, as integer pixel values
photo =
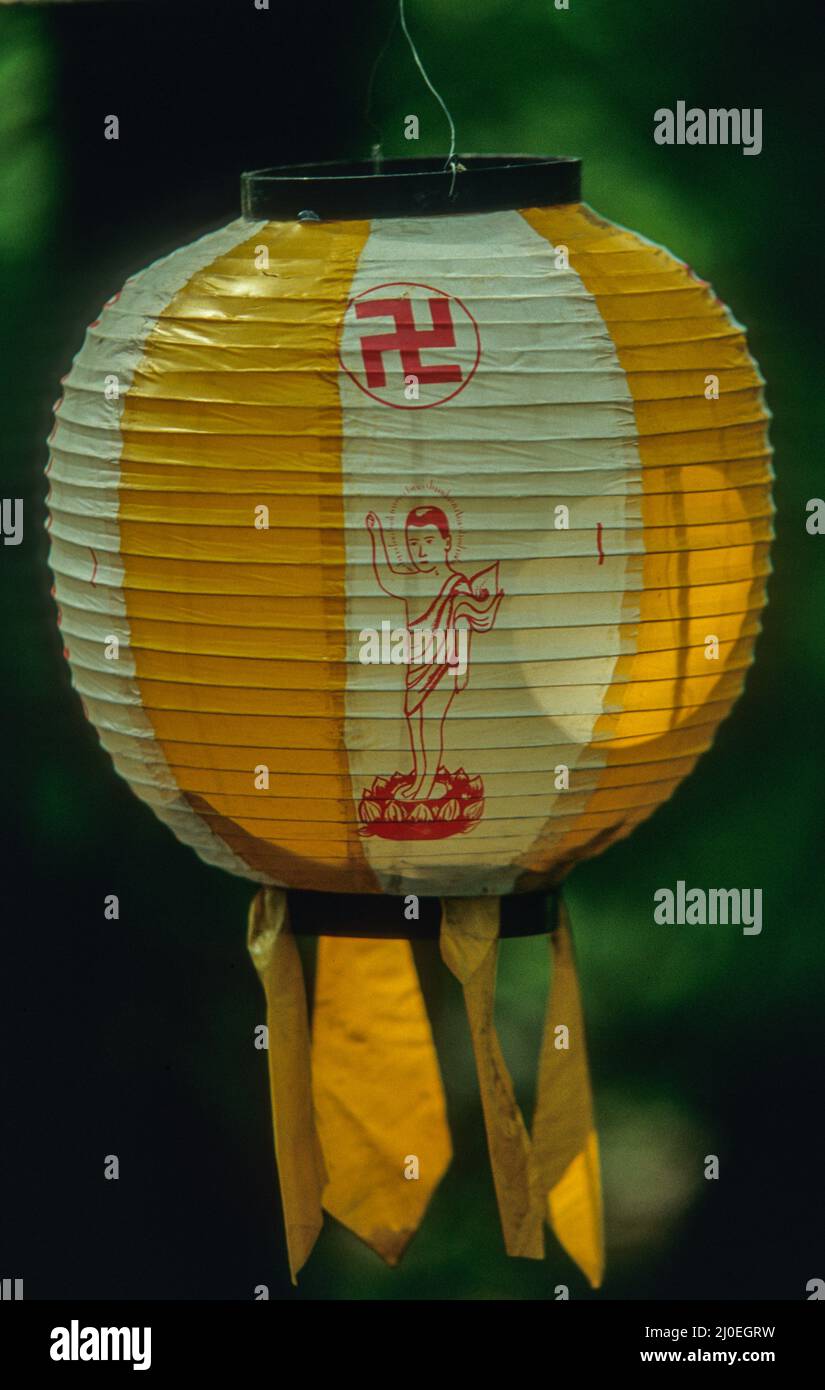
(706, 506)
(238, 380)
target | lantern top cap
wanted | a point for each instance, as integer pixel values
(342, 190)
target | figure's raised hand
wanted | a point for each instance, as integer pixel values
(372, 521)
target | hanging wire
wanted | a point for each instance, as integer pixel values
(376, 149)
(450, 161)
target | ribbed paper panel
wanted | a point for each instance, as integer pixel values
(242, 365)
(706, 508)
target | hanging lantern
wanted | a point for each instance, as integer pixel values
(410, 537)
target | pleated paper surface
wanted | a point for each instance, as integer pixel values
(433, 554)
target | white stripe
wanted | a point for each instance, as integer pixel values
(548, 400)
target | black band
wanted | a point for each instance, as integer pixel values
(381, 915)
(415, 187)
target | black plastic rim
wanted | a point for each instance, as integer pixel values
(381, 915)
(415, 187)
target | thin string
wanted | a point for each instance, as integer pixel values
(450, 161)
(376, 149)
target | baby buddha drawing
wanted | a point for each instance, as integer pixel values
(443, 607)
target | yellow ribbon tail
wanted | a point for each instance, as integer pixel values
(469, 946)
(301, 1173)
(575, 1212)
(359, 1117)
(379, 1098)
(564, 1137)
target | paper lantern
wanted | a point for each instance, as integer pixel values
(427, 518)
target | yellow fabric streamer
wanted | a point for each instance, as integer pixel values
(300, 1164)
(360, 1121)
(556, 1173)
(469, 946)
(379, 1098)
(564, 1137)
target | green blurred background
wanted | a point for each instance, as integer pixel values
(135, 1037)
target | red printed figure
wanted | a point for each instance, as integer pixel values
(443, 607)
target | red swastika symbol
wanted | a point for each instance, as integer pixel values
(407, 340)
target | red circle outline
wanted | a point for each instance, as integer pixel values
(418, 284)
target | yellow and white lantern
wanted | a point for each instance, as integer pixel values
(427, 516)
